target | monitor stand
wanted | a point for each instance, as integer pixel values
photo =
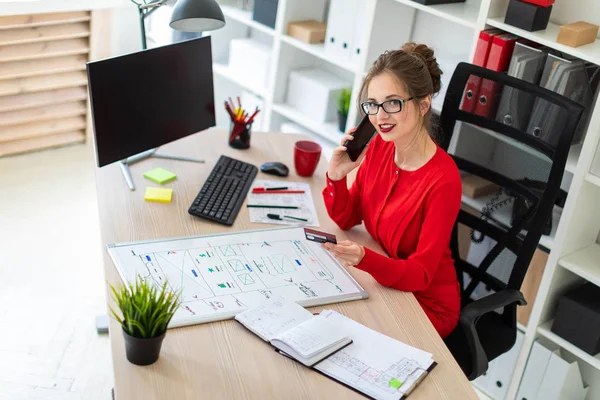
(142, 156)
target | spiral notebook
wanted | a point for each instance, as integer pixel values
(358, 357)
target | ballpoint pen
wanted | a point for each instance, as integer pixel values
(271, 188)
(267, 206)
(272, 191)
(279, 217)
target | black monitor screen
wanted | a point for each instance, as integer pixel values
(143, 100)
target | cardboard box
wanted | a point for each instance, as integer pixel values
(474, 186)
(308, 31)
(527, 16)
(577, 34)
(313, 91)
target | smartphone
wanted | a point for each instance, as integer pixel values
(362, 136)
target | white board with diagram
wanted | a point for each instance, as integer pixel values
(222, 275)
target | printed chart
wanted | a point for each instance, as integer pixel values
(223, 275)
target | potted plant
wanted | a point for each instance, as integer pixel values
(146, 311)
(343, 105)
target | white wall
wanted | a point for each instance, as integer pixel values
(125, 36)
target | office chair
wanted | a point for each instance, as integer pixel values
(490, 285)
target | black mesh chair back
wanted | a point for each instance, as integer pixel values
(516, 136)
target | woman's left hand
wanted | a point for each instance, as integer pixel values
(348, 253)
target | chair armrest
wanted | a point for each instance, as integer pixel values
(469, 316)
(476, 309)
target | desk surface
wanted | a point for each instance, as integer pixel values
(222, 360)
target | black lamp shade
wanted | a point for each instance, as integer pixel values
(197, 16)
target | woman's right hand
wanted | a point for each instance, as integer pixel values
(340, 164)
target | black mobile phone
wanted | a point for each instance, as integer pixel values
(362, 136)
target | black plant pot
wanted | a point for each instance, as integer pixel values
(342, 121)
(142, 351)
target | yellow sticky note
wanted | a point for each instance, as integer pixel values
(160, 175)
(158, 194)
(395, 383)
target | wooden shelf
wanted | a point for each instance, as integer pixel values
(224, 71)
(34, 51)
(33, 100)
(544, 330)
(584, 263)
(23, 69)
(326, 130)
(43, 142)
(318, 50)
(56, 111)
(464, 14)
(44, 33)
(245, 17)
(31, 20)
(43, 128)
(41, 83)
(589, 52)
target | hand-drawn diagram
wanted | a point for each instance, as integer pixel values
(399, 371)
(222, 275)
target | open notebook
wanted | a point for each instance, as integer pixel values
(340, 348)
(294, 330)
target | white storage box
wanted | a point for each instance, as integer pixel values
(250, 60)
(313, 92)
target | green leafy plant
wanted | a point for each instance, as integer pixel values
(343, 101)
(146, 309)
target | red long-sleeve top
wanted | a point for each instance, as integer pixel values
(411, 215)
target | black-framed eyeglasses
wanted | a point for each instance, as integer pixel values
(390, 106)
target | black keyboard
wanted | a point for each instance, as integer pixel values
(223, 193)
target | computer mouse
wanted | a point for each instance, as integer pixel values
(275, 168)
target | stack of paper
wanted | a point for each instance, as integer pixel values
(341, 348)
(375, 364)
(304, 201)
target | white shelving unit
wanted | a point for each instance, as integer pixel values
(289, 53)
(547, 37)
(452, 30)
(245, 17)
(465, 14)
(545, 331)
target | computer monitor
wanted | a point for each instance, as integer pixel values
(143, 100)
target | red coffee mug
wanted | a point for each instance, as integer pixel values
(306, 157)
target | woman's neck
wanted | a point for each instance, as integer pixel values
(412, 155)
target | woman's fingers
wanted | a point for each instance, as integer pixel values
(347, 136)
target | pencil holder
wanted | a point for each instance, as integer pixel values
(239, 137)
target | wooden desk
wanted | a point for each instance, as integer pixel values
(222, 360)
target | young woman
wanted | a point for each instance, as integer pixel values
(407, 190)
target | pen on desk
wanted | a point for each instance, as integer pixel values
(267, 206)
(278, 217)
(275, 191)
